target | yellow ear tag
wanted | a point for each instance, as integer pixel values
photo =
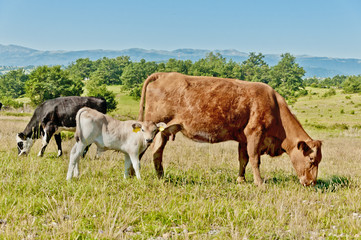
(161, 129)
(136, 129)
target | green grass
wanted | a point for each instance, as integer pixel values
(127, 108)
(340, 109)
(198, 197)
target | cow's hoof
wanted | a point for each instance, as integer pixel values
(260, 185)
(60, 153)
(241, 180)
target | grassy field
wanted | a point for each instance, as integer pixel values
(198, 198)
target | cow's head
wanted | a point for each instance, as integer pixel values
(305, 158)
(24, 143)
(149, 129)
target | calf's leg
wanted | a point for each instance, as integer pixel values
(85, 151)
(127, 165)
(75, 154)
(135, 163)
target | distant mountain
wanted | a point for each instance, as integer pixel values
(13, 55)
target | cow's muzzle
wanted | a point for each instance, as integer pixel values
(149, 140)
(308, 183)
(21, 153)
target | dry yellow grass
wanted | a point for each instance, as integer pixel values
(198, 198)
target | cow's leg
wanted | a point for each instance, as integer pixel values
(243, 161)
(58, 143)
(48, 133)
(75, 154)
(135, 163)
(159, 143)
(127, 165)
(253, 143)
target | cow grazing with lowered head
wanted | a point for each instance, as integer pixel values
(130, 137)
(211, 110)
(53, 116)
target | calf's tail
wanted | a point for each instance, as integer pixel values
(77, 119)
(150, 79)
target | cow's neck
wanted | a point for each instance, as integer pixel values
(293, 129)
(32, 130)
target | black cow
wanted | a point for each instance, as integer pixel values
(53, 116)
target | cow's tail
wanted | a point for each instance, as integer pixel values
(150, 79)
(77, 118)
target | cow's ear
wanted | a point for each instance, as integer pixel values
(302, 146)
(21, 136)
(161, 126)
(136, 127)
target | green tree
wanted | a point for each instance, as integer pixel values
(217, 66)
(352, 84)
(50, 82)
(338, 80)
(211, 65)
(313, 82)
(81, 69)
(180, 66)
(97, 88)
(255, 69)
(110, 71)
(135, 73)
(286, 77)
(12, 84)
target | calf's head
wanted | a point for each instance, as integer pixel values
(149, 129)
(305, 158)
(24, 143)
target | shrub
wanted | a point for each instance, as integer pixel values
(96, 88)
(342, 126)
(51, 82)
(329, 93)
(9, 102)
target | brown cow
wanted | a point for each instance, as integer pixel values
(210, 109)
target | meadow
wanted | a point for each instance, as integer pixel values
(198, 198)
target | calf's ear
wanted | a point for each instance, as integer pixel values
(136, 127)
(161, 126)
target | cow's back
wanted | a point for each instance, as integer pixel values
(63, 109)
(210, 109)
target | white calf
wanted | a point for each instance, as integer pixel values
(111, 134)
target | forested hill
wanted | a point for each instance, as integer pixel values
(12, 55)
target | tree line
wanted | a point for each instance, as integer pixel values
(90, 78)
(349, 84)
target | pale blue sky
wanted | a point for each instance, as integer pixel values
(330, 28)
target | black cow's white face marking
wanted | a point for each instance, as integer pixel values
(24, 146)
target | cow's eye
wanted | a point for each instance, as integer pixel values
(142, 130)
